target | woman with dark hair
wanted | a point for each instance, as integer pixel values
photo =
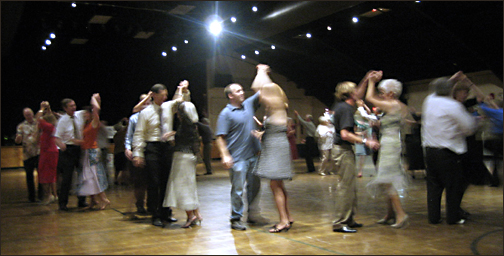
(92, 178)
(181, 189)
(48, 160)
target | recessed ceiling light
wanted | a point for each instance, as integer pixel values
(163, 54)
(233, 19)
(74, 5)
(308, 35)
(254, 9)
(186, 41)
(52, 35)
(215, 28)
(355, 19)
(44, 48)
(174, 48)
(256, 52)
(273, 47)
(329, 28)
(243, 57)
(48, 42)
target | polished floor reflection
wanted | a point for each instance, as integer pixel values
(31, 228)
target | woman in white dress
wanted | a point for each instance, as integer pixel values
(181, 190)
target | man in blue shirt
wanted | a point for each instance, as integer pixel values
(238, 149)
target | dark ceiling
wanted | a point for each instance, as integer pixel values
(407, 40)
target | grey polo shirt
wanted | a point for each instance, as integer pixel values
(236, 124)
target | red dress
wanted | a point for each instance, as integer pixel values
(292, 142)
(48, 159)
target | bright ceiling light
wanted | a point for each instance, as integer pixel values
(355, 19)
(174, 48)
(329, 28)
(233, 19)
(215, 28)
(243, 57)
(308, 35)
(74, 5)
(52, 35)
(48, 42)
(273, 47)
(417, 1)
(186, 41)
(44, 48)
(256, 52)
(164, 54)
(254, 9)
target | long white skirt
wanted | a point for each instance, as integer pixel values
(181, 190)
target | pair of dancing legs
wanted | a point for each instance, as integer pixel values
(394, 208)
(193, 218)
(49, 189)
(99, 199)
(280, 195)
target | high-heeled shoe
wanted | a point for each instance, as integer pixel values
(197, 221)
(189, 222)
(403, 224)
(385, 221)
(275, 229)
(104, 205)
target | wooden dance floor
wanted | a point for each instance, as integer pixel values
(31, 228)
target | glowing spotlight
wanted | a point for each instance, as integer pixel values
(273, 47)
(254, 9)
(52, 35)
(174, 48)
(44, 48)
(243, 57)
(233, 19)
(417, 1)
(48, 42)
(186, 41)
(329, 28)
(256, 52)
(308, 35)
(215, 28)
(74, 5)
(164, 54)
(355, 19)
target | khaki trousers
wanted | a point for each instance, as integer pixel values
(346, 189)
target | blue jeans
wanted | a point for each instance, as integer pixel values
(239, 173)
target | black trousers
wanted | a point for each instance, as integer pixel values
(158, 161)
(29, 166)
(207, 156)
(139, 180)
(311, 150)
(444, 171)
(68, 160)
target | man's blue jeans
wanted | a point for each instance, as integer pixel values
(239, 173)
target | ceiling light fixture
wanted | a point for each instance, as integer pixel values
(273, 47)
(48, 42)
(256, 52)
(308, 35)
(254, 9)
(186, 41)
(164, 54)
(44, 48)
(243, 57)
(74, 4)
(52, 35)
(233, 19)
(174, 48)
(355, 19)
(329, 28)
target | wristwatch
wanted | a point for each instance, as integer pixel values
(364, 141)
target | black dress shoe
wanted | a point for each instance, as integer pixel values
(157, 222)
(345, 229)
(141, 210)
(208, 173)
(63, 208)
(355, 225)
(82, 205)
(170, 219)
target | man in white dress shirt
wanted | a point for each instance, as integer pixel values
(445, 125)
(69, 133)
(153, 147)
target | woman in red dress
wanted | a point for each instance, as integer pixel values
(48, 160)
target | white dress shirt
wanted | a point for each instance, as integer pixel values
(65, 127)
(446, 124)
(148, 127)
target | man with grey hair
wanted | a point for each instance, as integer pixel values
(445, 125)
(311, 145)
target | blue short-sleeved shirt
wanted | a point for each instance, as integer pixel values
(236, 124)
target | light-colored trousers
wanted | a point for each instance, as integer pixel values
(346, 189)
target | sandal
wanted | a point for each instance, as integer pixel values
(275, 229)
(189, 222)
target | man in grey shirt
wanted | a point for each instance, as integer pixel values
(311, 145)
